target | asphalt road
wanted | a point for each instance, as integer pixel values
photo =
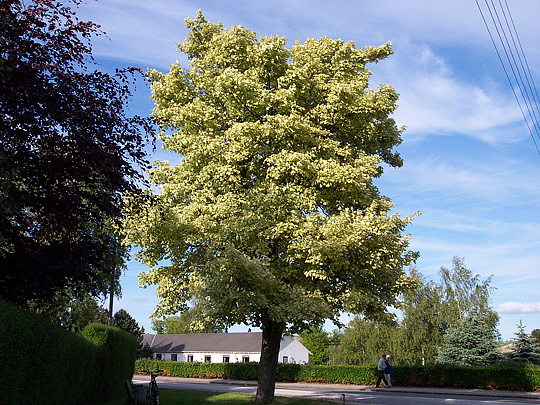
(355, 394)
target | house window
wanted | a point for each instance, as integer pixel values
(225, 359)
(174, 357)
(158, 356)
(207, 359)
(190, 358)
(285, 359)
(245, 359)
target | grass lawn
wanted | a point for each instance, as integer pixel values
(177, 397)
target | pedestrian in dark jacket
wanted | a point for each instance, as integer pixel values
(387, 371)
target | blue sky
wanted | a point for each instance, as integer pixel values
(471, 167)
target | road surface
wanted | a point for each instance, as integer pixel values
(355, 394)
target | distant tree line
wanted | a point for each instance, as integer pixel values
(447, 322)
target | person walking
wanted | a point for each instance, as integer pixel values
(381, 366)
(387, 371)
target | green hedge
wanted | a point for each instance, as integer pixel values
(501, 376)
(41, 363)
(116, 361)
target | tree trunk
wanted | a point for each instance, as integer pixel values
(271, 339)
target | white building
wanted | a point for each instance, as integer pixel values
(221, 347)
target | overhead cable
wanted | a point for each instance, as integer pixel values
(529, 95)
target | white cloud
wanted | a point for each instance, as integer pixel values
(519, 307)
(435, 100)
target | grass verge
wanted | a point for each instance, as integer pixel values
(178, 397)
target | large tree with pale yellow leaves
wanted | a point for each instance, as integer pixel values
(272, 218)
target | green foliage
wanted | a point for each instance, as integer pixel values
(471, 343)
(429, 309)
(317, 341)
(524, 348)
(191, 320)
(249, 371)
(498, 376)
(465, 295)
(272, 218)
(364, 341)
(423, 324)
(70, 311)
(237, 371)
(145, 352)
(123, 320)
(43, 363)
(535, 334)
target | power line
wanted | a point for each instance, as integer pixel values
(533, 89)
(533, 112)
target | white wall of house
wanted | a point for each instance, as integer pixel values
(210, 357)
(291, 351)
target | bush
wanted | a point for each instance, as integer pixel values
(44, 364)
(501, 376)
(116, 360)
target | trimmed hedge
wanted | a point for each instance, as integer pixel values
(501, 376)
(116, 361)
(44, 364)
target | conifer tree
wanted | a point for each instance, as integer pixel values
(525, 348)
(470, 343)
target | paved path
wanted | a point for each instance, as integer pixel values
(352, 392)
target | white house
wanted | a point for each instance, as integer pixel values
(221, 347)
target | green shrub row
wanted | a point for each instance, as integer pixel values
(41, 363)
(501, 376)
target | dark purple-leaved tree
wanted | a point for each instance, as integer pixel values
(68, 154)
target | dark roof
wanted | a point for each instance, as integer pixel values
(205, 342)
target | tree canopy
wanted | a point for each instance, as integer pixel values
(364, 341)
(466, 295)
(68, 153)
(70, 311)
(272, 216)
(123, 320)
(317, 341)
(424, 322)
(192, 320)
